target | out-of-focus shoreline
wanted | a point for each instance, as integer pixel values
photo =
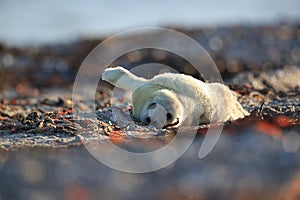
(234, 49)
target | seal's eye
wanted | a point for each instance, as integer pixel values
(152, 106)
(169, 116)
(147, 120)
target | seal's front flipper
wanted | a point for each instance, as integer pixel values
(122, 78)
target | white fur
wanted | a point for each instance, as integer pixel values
(192, 101)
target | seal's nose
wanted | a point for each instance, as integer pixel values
(157, 116)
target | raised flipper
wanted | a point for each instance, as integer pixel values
(122, 78)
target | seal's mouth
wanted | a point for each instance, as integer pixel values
(172, 125)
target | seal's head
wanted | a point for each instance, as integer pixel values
(156, 105)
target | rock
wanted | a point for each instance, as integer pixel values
(279, 80)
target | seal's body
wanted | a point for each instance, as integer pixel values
(178, 98)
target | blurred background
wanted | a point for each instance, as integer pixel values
(35, 22)
(43, 43)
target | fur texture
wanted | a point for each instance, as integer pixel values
(180, 99)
